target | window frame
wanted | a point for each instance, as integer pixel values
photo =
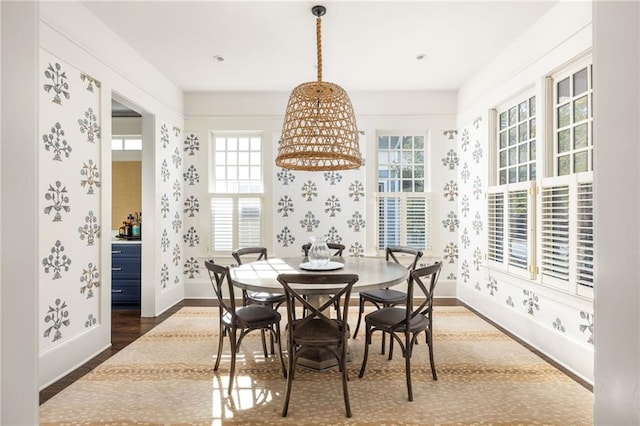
(579, 229)
(404, 196)
(234, 197)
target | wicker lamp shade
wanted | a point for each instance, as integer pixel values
(319, 132)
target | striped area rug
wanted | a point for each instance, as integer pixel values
(166, 377)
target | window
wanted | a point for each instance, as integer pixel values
(236, 193)
(540, 225)
(573, 119)
(510, 202)
(126, 143)
(402, 204)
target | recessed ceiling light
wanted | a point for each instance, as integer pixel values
(421, 56)
(218, 58)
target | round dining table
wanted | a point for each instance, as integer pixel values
(373, 273)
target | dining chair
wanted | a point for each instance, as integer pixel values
(316, 330)
(337, 251)
(243, 319)
(386, 297)
(273, 300)
(337, 248)
(404, 324)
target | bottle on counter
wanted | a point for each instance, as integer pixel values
(135, 226)
(127, 229)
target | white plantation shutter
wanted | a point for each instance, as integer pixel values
(555, 233)
(518, 247)
(510, 214)
(221, 224)
(417, 227)
(567, 247)
(495, 223)
(404, 219)
(388, 221)
(249, 222)
(585, 254)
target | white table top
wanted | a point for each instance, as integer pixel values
(374, 273)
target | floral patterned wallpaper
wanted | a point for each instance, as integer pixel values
(171, 182)
(69, 201)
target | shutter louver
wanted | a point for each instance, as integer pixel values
(585, 235)
(496, 227)
(518, 229)
(248, 222)
(221, 224)
(555, 232)
(417, 229)
(388, 222)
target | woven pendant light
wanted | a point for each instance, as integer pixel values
(319, 132)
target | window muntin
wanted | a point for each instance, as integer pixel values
(573, 122)
(517, 142)
(402, 202)
(237, 164)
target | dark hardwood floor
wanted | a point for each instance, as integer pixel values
(127, 326)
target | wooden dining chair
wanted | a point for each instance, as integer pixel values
(386, 297)
(404, 324)
(242, 319)
(337, 251)
(316, 330)
(273, 300)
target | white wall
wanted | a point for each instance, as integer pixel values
(19, 369)
(70, 33)
(426, 112)
(559, 36)
(616, 54)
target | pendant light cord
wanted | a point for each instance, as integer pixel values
(319, 46)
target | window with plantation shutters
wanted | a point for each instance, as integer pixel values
(403, 205)
(545, 232)
(236, 195)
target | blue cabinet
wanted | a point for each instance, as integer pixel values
(125, 275)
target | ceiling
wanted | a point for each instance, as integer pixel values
(271, 46)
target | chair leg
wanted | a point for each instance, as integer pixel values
(279, 340)
(232, 370)
(431, 360)
(407, 365)
(391, 339)
(264, 344)
(360, 311)
(290, 371)
(343, 366)
(220, 343)
(367, 342)
(384, 337)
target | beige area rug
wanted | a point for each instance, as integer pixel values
(166, 377)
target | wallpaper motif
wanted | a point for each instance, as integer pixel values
(69, 204)
(318, 204)
(194, 209)
(169, 164)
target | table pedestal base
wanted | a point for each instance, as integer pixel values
(320, 360)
